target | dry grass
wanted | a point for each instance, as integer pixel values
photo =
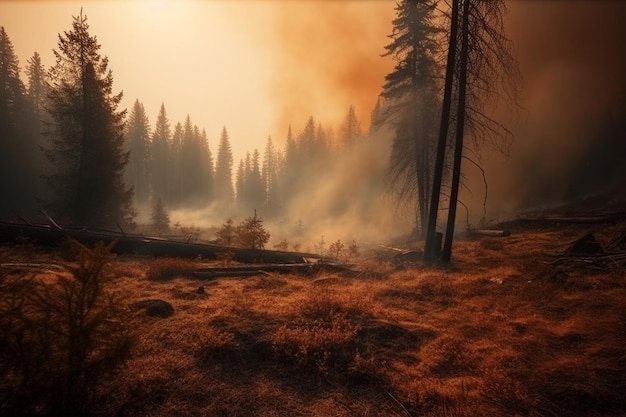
(499, 334)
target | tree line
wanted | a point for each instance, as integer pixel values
(453, 63)
(67, 147)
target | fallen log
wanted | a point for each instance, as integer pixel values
(142, 245)
(489, 233)
(600, 219)
(252, 270)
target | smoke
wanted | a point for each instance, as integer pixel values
(572, 56)
(327, 55)
(345, 200)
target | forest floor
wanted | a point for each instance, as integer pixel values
(510, 329)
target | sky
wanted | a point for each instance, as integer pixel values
(258, 66)
(254, 66)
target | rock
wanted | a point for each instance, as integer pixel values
(586, 245)
(154, 307)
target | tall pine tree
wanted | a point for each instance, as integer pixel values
(224, 171)
(160, 169)
(137, 143)
(411, 91)
(18, 137)
(86, 146)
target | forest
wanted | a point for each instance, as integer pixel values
(69, 149)
(526, 319)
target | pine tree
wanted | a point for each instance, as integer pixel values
(250, 233)
(37, 95)
(159, 218)
(137, 143)
(270, 177)
(37, 86)
(256, 190)
(19, 136)
(291, 168)
(188, 162)
(160, 165)
(175, 165)
(207, 166)
(240, 185)
(224, 171)
(410, 87)
(350, 130)
(86, 145)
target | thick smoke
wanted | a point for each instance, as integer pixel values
(572, 56)
(327, 55)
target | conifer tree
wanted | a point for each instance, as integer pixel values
(175, 165)
(159, 217)
(86, 146)
(350, 131)
(189, 174)
(37, 85)
(256, 190)
(250, 233)
(270, 175)
(291, 168)
(207, 166)
(160, 166)
(16, 150)
(37, 95)
(137, 143)
(411, 90)
(240, 186)
(224, 191)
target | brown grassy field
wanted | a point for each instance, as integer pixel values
(501, 333)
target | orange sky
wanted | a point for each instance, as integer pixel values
(254, 66)
(257, 66)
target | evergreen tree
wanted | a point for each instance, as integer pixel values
(137, 143)
(350, 131)
(270, 175)
(240, 185)
(37, 94)
(159, 218)
(18, 136)
(207, 166)
(188, 162)
(224, 171)
(226, 234)
(410, 88)
(160, 166)
(291, 168)
(175, 165)
(37, 85)
(256, 190)
(86, 145)
(250, 233)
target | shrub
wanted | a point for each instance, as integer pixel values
(336, 249)
(226, 234)
(61, 337)
(251, 234)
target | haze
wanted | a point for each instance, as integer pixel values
(247, 65)
(257, 67)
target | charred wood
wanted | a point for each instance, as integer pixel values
(141, 245)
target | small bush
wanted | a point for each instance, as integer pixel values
(61, 336)
(250, 233)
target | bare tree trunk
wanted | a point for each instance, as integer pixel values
(431, 249)
(458, 147)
